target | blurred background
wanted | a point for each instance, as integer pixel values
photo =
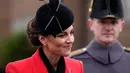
(15, 14)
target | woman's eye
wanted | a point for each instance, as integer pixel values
(61, 35)
(72, 32)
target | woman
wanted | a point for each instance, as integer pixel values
(52, 30)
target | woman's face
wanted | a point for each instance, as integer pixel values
(62, 43)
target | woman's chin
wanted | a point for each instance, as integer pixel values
(66, 53)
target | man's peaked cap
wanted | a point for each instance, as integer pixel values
(107, 8)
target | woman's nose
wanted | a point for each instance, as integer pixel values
(70, 39)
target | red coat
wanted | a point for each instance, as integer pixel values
(34, 64)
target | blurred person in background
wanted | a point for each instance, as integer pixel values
(53, 31)
(105, 53)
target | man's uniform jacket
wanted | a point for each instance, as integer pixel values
(35, 64)
(102, 59)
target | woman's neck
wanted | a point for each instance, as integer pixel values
(54, 59)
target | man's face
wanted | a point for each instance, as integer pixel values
(107, 30)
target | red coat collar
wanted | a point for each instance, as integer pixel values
(38, 64)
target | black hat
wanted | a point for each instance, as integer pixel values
(53, 17)
(107, 9)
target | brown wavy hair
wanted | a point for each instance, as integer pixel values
(33, 32)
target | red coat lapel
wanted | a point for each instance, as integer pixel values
(38, 64)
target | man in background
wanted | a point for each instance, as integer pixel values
(105, 54)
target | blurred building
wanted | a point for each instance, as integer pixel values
(4, 17)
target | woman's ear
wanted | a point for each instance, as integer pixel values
(42, 39)
(90, 22)
(123, 23)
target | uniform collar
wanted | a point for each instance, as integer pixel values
(105, 54)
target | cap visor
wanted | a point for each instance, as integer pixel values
(109, 16)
